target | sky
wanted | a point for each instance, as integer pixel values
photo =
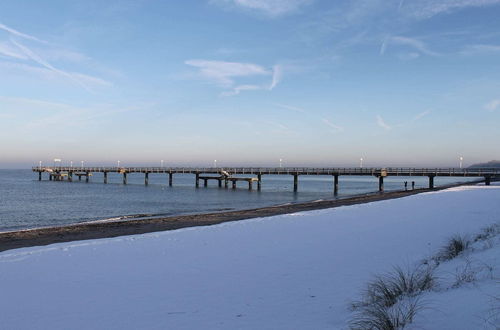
(249, 82)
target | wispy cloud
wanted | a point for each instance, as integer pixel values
(382, 123)
(421, 115)
(289, 107)
(272, 8)
(226, 74)
(425, 9)
(277, 75)
(19, 34)
(328, 123)
(480, 49)
(17, 55)
(405, 41)
(492, 105)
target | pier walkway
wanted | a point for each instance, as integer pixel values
(254, 174)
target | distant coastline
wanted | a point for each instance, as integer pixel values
(106, 229)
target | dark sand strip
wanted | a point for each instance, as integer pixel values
(93, 230)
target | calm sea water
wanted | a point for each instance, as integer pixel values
(26, 202)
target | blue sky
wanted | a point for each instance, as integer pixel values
(247, 82)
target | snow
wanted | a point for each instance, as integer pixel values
(296, 271)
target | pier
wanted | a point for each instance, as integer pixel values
(254, 174)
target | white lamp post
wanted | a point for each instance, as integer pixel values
(40, 164)
(461, 161)
(361, 162)
(118, 163)
(215, 163)
(161, 162)
(71, 163)
(82, 163)
(281, 163)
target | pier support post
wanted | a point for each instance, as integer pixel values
(146, 179)
(225, 183)
(70, 176)
(249, 184)
(39, 176)
(170, 179)
(234, 184)
(197, 180)
(50, 176)
(259, 181)
(205, 182)
(487, 180)
(125, 178)
(105, 177)
(295, 182)
(335, 184)
(220, 183)
(431, 181)
(79, 178)
(87, 178)
(381, 183)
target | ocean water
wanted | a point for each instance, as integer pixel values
(26, 202)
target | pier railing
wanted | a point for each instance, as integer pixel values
(397, 171)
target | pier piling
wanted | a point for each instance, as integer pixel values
(431, 181)
(105, 177)
(124, 177)
(170, 179)
(335, 184)
(146, 178)
(197, 180)
(295, 182)
(259, 181)
(487, 180)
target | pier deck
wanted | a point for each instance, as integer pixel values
(255, 173)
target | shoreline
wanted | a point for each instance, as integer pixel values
(95, 230)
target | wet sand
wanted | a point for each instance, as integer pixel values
(94, 230)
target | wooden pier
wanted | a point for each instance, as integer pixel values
(226, 175)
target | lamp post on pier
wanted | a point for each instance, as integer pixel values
(161, 162)
(461, 161)
(361, 162)
(215, 163)
(281, 163)
(82, 163)
(118, 162)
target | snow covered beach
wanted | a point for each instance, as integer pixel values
(295, 271)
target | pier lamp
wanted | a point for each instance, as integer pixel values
(118, 163)
(40, 164)
(361, 162)
(82, 163)
(215, 163)
(71, 163)
(161, 163)
(57, 160)
(281, 161)
(461, 161)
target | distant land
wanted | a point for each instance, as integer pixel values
(490, 164)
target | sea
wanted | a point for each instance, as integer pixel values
(28, 203)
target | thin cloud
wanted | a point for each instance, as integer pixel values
(225, 72)
(480, 49)
(492, 105)
(236, 90)
(425, 9)
(332, 125)
(421, 115)
(277, 75)
(11, 52)
(272, 8)
(289, 107)
(382, 123)
(19, 34)
(410, 42)
(33, 56)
